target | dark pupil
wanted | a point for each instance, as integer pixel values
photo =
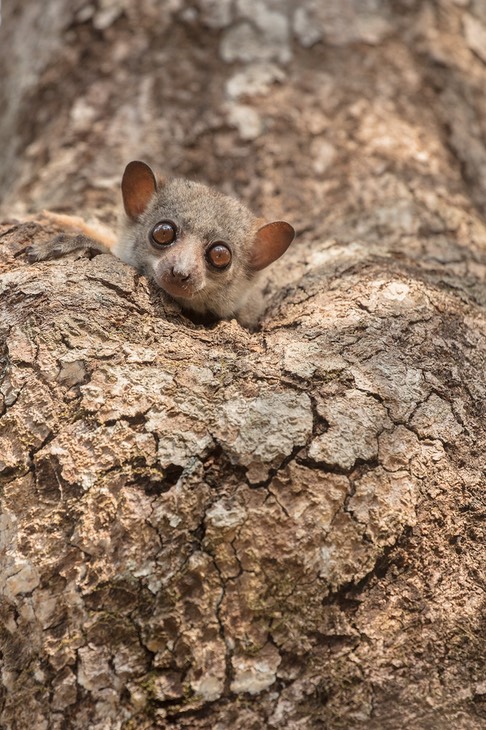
(219, 255)
(163, 233)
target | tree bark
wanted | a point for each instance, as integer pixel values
(216, 528)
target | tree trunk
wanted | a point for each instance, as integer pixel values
(214, 528)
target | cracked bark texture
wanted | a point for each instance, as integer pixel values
(212, 528)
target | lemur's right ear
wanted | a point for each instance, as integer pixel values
(271, 242)
(138, 186)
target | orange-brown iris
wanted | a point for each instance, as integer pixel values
(163, 233)
(219, 255)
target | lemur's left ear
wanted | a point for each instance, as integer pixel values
(271, 241)
(138, 186)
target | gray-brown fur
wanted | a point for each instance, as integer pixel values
(202, 216)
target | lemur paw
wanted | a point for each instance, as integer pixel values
(61, 245)
(51, 249)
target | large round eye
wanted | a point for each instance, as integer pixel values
(219, 255)
(163, 234)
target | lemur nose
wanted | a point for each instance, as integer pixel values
(179, 275)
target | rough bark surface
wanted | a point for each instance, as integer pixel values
(212, 528)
